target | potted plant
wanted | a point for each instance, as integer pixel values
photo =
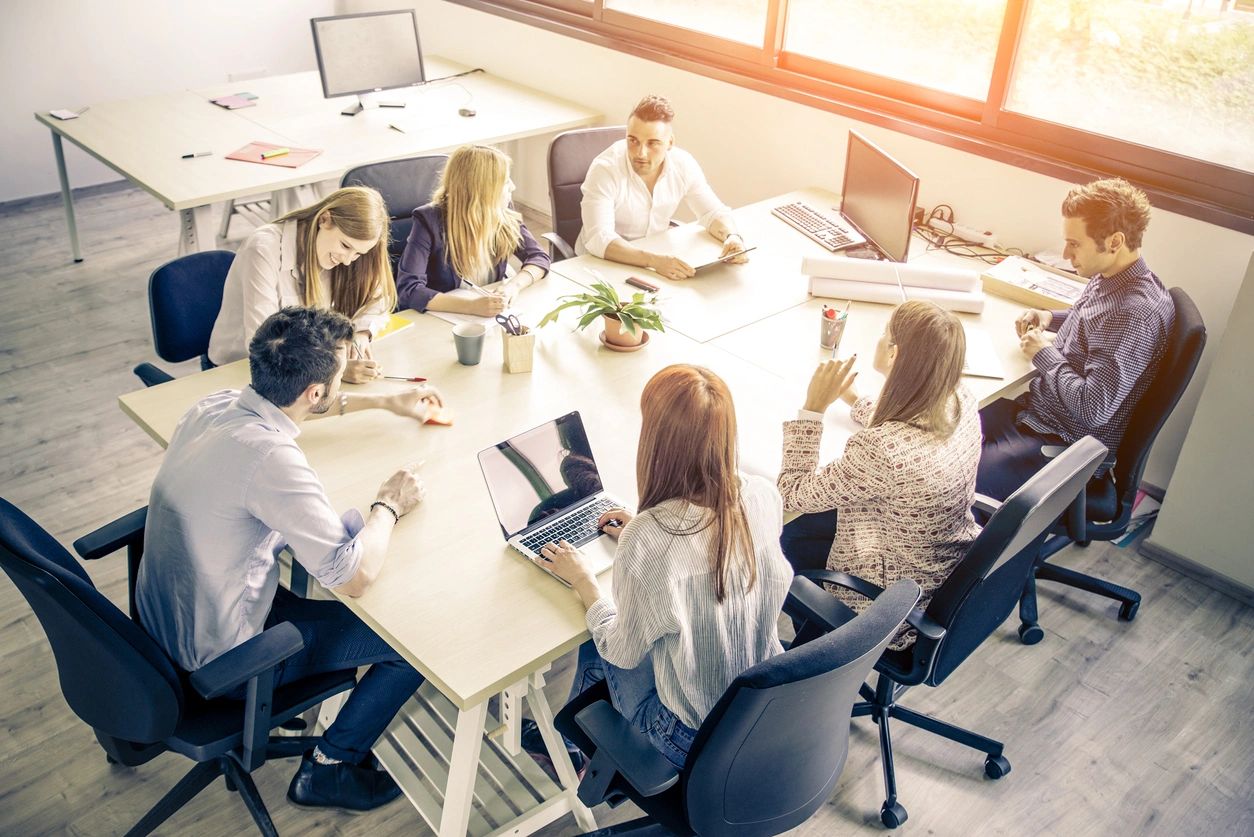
(626, 320)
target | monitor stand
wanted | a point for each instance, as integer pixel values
(369, 101)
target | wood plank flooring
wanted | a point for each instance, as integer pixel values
(1111, 728)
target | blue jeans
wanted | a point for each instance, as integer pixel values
(634, 694)
(336, 639)
(807, 540)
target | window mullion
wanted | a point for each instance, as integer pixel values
(1004, 62)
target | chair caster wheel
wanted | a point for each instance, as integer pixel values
(296, 724)
(110, 759)
(893, 815)
(996, 766)
(1030, 634)
(1127, 610)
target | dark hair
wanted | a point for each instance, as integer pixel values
(296, 347)
(1107, 207)
(653, 109)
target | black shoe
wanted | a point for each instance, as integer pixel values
(349, 787)
(533, 744)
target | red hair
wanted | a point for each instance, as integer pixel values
(688, 452)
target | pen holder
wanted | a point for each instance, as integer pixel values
(831, 329)
(518, 350)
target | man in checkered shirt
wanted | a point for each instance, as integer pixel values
(1108, 345)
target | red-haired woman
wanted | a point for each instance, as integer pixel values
(699, 578)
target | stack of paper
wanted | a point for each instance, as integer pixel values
(861, 280)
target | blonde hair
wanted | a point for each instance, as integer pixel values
(922, 385)
(688, 452)
(480, 231)
(358, 212)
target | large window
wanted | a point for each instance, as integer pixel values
(1159, 91)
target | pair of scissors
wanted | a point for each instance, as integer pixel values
(510, 324)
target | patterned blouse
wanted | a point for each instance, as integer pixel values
(903, 496)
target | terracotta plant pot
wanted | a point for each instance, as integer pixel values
(615, 334)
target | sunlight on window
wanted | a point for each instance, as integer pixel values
(1174, 75)
(946, 45)
(736, 20)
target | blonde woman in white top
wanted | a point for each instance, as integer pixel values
(902, 491)
(341, 242)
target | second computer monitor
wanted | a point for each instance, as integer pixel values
(879, 196)
(368, 52)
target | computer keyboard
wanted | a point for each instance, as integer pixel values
(832, 233)
(578, 527)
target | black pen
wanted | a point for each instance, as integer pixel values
(197, 154)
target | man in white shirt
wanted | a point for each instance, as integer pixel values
(634, 187)
(233, 491)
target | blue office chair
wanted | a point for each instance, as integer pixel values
(570, 154)
(973, 601)
(184, 297)
(771, 750)
(1104, 511)
(122, 684)
(405, 185)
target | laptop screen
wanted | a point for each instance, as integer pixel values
(540, 473)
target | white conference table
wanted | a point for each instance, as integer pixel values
(144, 139)
(464, 609)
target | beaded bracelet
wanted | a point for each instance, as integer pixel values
(393, 511)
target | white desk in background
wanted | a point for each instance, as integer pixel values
(144, 139)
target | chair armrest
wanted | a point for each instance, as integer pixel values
(247, 660)
(557, 246)
(1052, 451)
(849, 582)
(151, 376)
(622, 750)
(925, 625)
(811, 603)
(985, 503)
(111, 537)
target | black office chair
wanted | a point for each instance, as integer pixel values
(570, 154)
(405, 185)
(121, 683)
(978, 595)
(771, 750)
(184, 297)
(1104, 511)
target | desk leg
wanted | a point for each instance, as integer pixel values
(189, 242)
(511, 716)
(462, 769)
(66, 196)
(543, 714)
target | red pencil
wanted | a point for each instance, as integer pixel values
(410, 380)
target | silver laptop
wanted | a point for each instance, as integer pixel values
(545, 487)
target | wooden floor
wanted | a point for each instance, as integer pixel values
(1112, 728)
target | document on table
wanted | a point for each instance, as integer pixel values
(455, 318)
(981, 360)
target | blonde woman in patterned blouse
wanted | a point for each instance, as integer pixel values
(903, 488)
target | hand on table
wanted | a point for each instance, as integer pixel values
(614, 521)
(362, 371)
(831, 380)
(487, 304)
(1032, 341)
(1032, 318)
(734, 244)
(415, 402)
(671, 267)
(403, 490)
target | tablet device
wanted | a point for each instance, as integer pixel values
(723, 259)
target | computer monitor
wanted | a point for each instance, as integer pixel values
(366, 53)
(878, 197)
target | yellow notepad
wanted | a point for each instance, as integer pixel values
(395, 323)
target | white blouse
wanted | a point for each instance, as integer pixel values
(263, 278)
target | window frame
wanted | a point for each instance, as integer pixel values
(1208, 191)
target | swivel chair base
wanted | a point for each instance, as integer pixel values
(1030, 632)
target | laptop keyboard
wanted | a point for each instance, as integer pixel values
(578, 527)
(832, 233)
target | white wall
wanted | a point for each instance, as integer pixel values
(1207, 517)
(753, 145)
(70, 53)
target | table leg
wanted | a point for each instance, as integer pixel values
(543, 715)
(462, 769)
(66, 196)
(189, 242)
(511, 716)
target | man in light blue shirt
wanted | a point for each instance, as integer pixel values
(233, 491)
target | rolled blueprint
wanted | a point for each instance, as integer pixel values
(971, 302)
(886, 273)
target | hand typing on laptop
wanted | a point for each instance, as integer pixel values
(614, 521)
(573, 567)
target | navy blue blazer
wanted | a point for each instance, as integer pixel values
(424, 269)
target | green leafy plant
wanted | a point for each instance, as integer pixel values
(637, 313)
